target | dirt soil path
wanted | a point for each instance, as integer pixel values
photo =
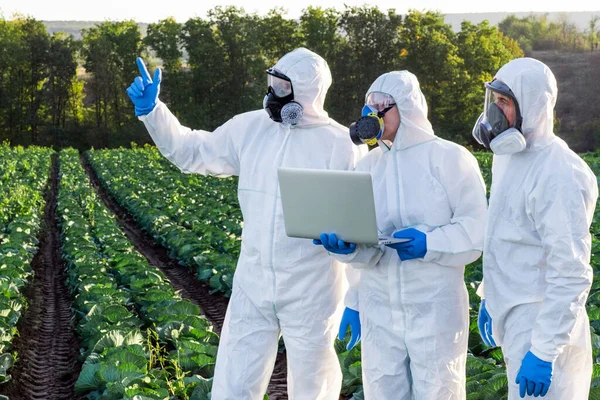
(213, 306)
(47, 368)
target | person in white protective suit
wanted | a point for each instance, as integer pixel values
(281, 284)
(536, 261)
(410, 298)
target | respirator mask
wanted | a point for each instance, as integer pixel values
(368, 129)
(279, 100)
(493, 129)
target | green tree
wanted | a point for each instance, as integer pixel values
(537, 33)
(368, 47)
(483, 49)
(110, 50)
(319, 31)
(36, 44)
(201, 98)
(278, 35)
(164, 37)
(243, 85)
(62, 76)
(12, 79)
(519, 29)
(429, 51)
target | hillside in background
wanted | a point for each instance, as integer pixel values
(75, 27)
(580, 19)
(577, 107)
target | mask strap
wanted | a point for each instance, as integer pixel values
(381, 114)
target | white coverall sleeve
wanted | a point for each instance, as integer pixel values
(353, 277)
(193, 151)
(363, 257)
(461, 241)
(480, 290)
(562, 209)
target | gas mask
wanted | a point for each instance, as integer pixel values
(279, 100)
(369, 128)
(492, 128)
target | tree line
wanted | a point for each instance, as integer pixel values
(539, 33)
(55, 90)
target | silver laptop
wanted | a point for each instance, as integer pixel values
(341, 202)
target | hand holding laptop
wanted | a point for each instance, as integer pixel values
(414, 247)
(334, 245)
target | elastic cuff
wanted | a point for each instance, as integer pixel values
(543, 356)
(351, 300)
(344, 258)
(144, 111)
(431, 256)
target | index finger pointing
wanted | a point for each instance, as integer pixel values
(143, 71)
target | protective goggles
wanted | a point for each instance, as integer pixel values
(280, 84)
(382, 102)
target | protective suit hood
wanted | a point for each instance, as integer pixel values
(534, 86)
(311, 78)
(414, 128)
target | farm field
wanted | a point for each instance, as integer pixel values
(115, 273)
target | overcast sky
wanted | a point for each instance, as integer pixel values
(182, 10)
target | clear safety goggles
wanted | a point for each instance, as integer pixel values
(380, 101)
(279, 82)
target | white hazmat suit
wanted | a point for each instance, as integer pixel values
(415, 314)
(536, 261)
(281, 284)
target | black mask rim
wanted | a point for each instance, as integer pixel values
(278, 74)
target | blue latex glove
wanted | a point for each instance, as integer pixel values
(333, 245)
(535, 376)
(350, 319)
(484, 322)
(415, 248)
(144, 91)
